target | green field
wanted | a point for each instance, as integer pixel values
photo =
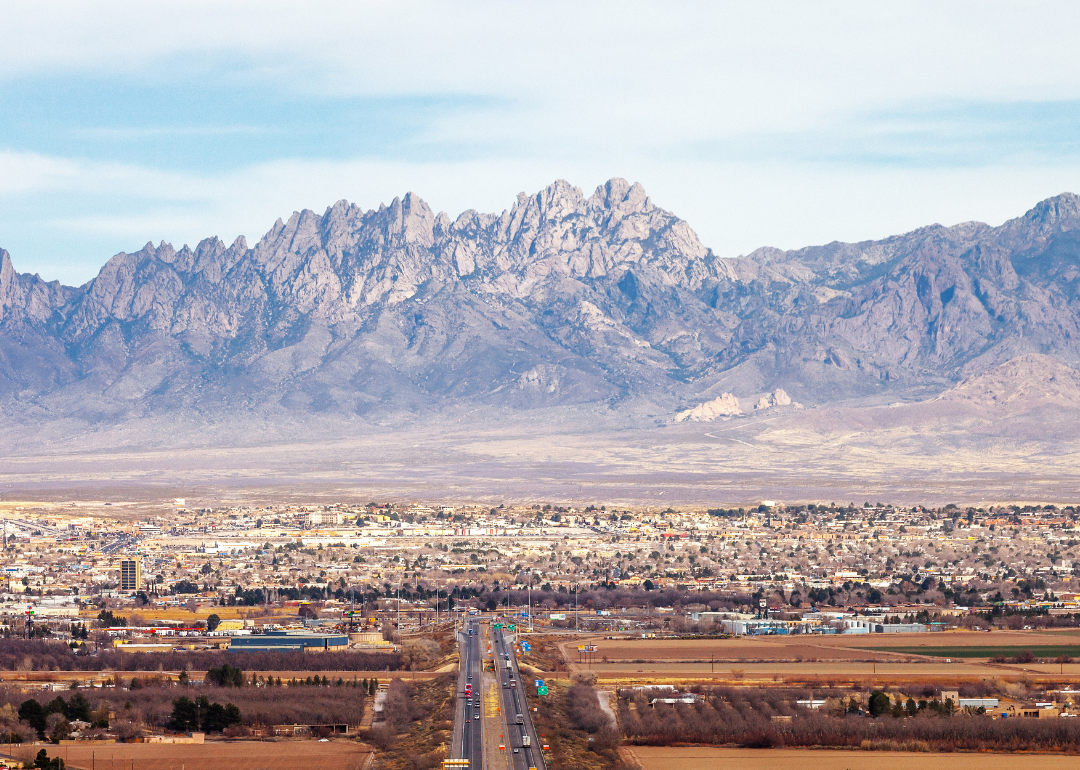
(1009, 651)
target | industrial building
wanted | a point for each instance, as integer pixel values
(289, 641)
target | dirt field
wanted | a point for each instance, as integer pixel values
(957, 639)
(824, 669)
(255, 614)
(738, 649)
(840, 647)
(659, 758)
(18, 678)
(809, 658)
(239, 755)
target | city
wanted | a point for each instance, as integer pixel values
(526, 604)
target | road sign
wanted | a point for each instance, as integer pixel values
(542, 690)
(539, 682)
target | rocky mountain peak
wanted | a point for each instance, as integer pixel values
(27, 299)
(1062, 210)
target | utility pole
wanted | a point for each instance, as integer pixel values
(530, 608)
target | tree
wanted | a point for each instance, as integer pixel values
(879, 704)
(185, 715)
(78, 708)
(31, 712)
(58, 727)
(225, 676)
(42, 762)
(184, 587)
(201, 714)
(212, 622)
(108, 620)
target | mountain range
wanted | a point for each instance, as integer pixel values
(599, 305)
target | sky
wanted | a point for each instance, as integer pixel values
(779, 124)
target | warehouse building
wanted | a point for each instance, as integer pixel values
(289, 641)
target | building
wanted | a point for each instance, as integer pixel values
(323, 518)
(289, 641)
(876, 626)
(131, 574)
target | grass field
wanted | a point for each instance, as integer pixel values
(238, 755)
(990, 651)
(690, 758)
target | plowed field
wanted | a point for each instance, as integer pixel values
(659, 758)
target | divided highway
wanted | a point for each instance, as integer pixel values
(468, 740)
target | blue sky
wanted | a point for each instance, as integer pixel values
(779, 124)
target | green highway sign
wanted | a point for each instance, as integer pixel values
(542, 690)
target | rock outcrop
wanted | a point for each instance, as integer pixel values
(723, 406)
(778, 397)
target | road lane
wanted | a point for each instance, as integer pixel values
(515, 704)
(468, 742)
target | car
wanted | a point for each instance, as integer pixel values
(517, 751)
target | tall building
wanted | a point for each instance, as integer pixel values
(131, 574)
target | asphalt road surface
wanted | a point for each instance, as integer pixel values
(468, 735)
(514, 704)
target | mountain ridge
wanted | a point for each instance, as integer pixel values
(558, 300)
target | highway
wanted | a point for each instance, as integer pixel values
(468, 740)
(513, 704)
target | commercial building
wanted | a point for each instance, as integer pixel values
(131, 574)
(289, 641)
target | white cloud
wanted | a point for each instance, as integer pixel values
(582, 91)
